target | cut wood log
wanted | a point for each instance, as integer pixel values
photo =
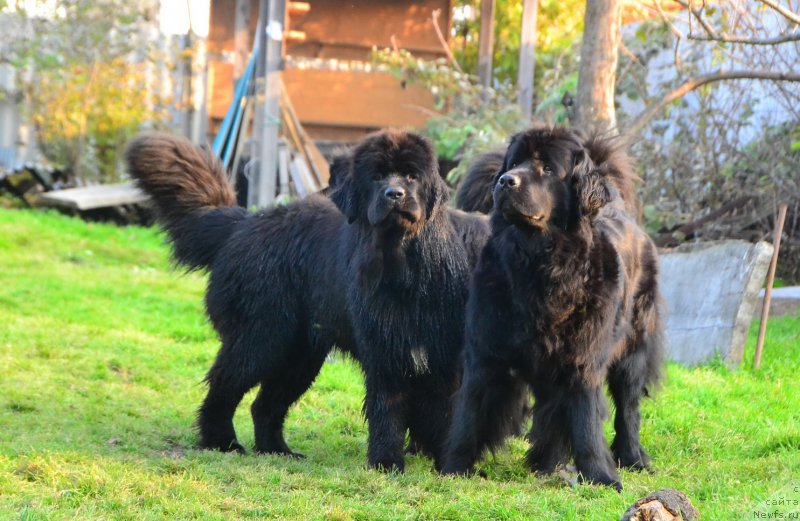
(664, 505)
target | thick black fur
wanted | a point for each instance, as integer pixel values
(380, 269)
(564, 298)
(475, 193)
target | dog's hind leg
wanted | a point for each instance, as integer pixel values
(489, 408)
(586, 410)
(628, 380)
(282, 385)
(231, 376)
(635, 374)
(626, 383)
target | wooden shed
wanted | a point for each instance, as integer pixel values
(337, 94)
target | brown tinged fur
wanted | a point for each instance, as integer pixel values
(185, 184)
(180, 177)
(611, 160)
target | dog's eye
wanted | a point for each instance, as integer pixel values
(547, 170)
(376, 177)
(411, 178)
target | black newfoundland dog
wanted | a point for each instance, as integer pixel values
(476, 191)
(564, 298)
(380, 269)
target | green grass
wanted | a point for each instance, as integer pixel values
(102, 352)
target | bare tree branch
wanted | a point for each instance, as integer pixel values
(775, 40)
(452, 59)
(713, 36)
(640, 121)
(789, 15)
(669, 23)
(699, 17)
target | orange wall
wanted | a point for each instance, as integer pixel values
(339, 104)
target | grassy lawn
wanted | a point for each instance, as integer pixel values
(102, 352)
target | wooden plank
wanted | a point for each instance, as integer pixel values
(316, 161)
(283, 169)
(486, 43)
(356, 99)
(266, 137)
(303, 181)
(220, 88)
(241, 38)
(527, 55)
(91, 197)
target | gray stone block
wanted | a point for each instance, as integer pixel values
(711, 290)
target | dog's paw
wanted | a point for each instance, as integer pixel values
(601, 478)
(231, 446)
(635, 460)
(281, 452)
(448, 470)
(388, 465)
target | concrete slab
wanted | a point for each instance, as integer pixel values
(711, 291)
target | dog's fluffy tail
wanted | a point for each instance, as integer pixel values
(475, 191)
(191, 192)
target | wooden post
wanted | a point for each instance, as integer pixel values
(527, 54)
(264, 180)
(188, 76)
(486, 43)
(241, 39)
(776, 242)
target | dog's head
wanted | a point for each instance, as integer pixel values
(393, 183)
(547, 181)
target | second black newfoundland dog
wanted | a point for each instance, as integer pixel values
(380, 269)
(564, 298)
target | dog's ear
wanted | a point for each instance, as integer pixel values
(438, 195)
(511, 151)
(339, 169)
(581, 162)
(436, 190)
(346, 198)
(591, 191)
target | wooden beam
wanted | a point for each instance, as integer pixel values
(527, 55)
(241, 38)
(776, 242)
(486, 43)
(93, 197)
(269, 120)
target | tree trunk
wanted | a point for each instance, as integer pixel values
(527, 55)
(598, 69)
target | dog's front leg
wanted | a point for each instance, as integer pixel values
(385, 411)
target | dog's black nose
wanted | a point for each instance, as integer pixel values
(508, 181)
(394, 192)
